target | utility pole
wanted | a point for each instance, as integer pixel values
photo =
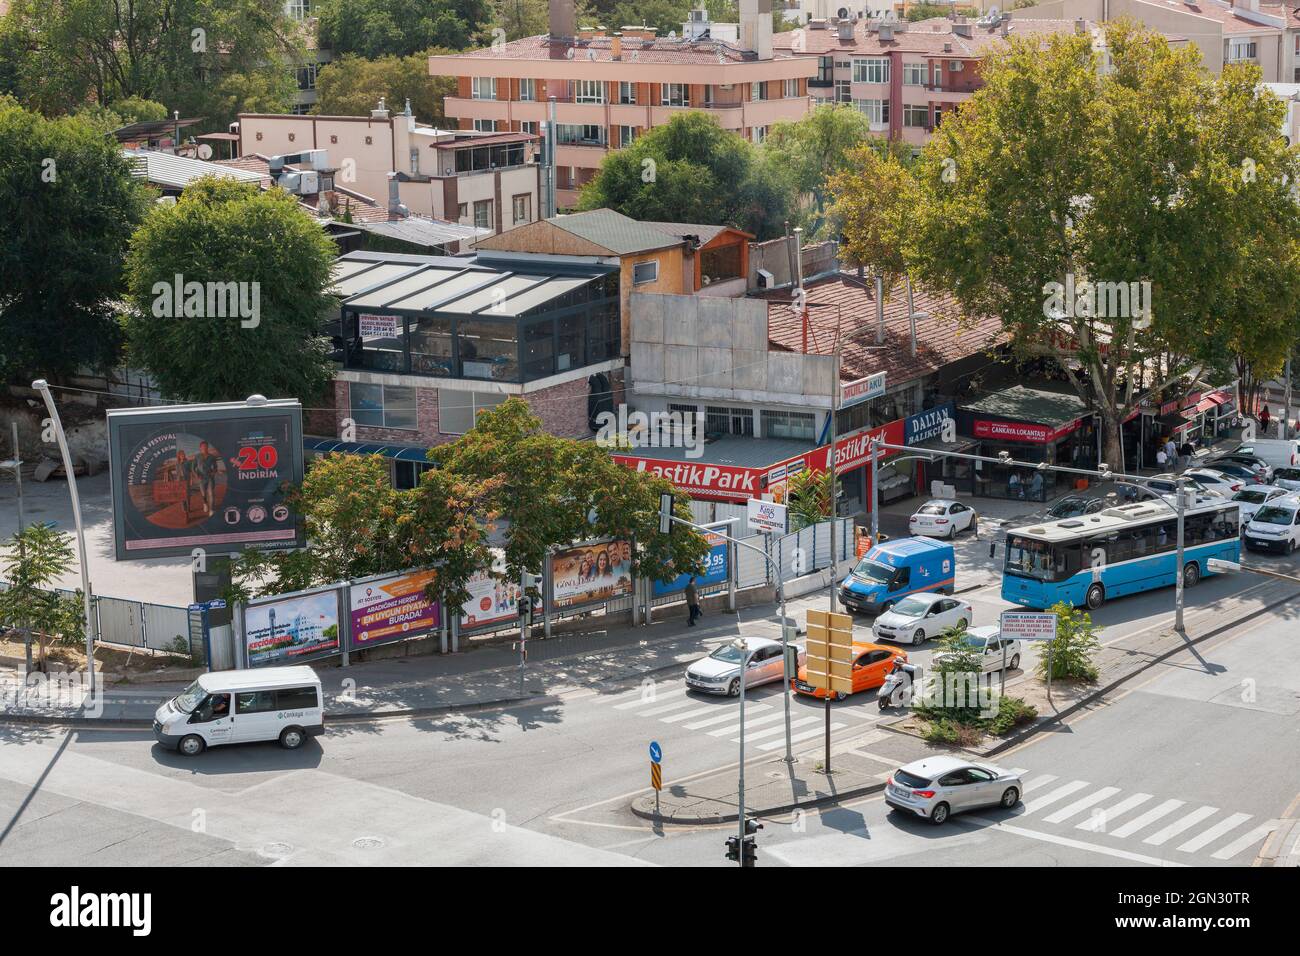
(835, 483)
(743, 646)
(15, 465)
(1179, 489)
(873, 447)
(525, 612)
(1286, 401)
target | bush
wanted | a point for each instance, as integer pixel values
(1012, 712)
(1075, 645)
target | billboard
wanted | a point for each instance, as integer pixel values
(391, 608)
(492, 599)
(291, 630)
(204, 476)
(586, 573)
(715, 569)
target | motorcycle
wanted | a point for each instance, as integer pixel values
(897, 688)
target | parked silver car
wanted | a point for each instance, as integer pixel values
(719, 673)
(937, 787)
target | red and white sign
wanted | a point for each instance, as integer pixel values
(1022, 431)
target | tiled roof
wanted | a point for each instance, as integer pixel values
(658, 50)
(924, 36)
(705, 233)
(614, 231)
(1231, 21)
(843, 309)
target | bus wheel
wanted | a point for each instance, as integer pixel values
(1095, 596)
(1191, 575)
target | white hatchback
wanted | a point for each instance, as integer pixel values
(919, 617)
(941, 518)
(1253, 498)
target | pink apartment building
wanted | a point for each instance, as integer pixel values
(610, 88)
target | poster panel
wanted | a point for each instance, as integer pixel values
(392, 608)
(716, 571)
(587, 573)
(292, 630)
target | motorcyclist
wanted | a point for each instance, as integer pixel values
(901, 677)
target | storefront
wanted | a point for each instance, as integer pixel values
(928, 431)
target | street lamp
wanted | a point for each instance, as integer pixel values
(742, 645)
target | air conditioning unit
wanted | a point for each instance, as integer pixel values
(309, 183)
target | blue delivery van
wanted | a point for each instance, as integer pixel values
(892, 570)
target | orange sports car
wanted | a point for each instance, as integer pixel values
(871, 662)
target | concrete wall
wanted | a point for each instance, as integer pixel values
(774, 256)
(702, 347)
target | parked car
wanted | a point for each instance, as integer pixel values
(1225, 484)
(916, 619)
(243, 706)
(1231, 469)
(719, 673)
(1278, 452)
(892, 570)
(937, 787)
(1074, 506)
(1275, 527)
(993, 651)
(1167, 484)
(1288, 478)
(1262, 469)
(941, 518)
(871, 663)
(1255, 497)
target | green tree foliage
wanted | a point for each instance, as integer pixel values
(183, 53)
(68, 204)
(352, 86)
(1075, 647)
(553, 491)
(221, 231)
(809, 498)
(692, 170)
(1151, 171)
(37, 557)
(376, 28)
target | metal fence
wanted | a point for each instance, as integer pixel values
(131, 623)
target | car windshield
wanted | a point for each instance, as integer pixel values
(874, 571)
(1275, 514)
(727, 654)
(1067, 508)
(912, 607)
(1251, 497)
(932, 510)
(190, 698)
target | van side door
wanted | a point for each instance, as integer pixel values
(255, 716)
(211, 720)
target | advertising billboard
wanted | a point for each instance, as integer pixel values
(391, 608)
(586, 573)
(204, 476)
(715, 569)
(292, 629)
(492, 600)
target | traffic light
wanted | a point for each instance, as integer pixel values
(733, 849)
(745, 853)
(750, 852)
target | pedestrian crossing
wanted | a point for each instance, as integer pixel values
(718, 718)
(1184, 828)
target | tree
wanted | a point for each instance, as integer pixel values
(691, 170)
(376, 28)
(68, 204)
(812, 150)
(551, 491)
(38, 556)
(254, 277)
(1075, 646)
(1061, 188)
(809, 498)
(867, 199)
(353, 86)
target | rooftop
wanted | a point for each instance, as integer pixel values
(1031, 405)
(670, 50)
(166, 169)
(604, 228)
(929, 37)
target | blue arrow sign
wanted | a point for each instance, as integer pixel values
(656, 752)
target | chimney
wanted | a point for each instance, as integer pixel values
(563, 20)
(616, 46)
(756, 27)
(380, 112)
(395, 207)
(962, 29)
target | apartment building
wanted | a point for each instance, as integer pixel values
(486, 180)
(305, 71)
(609, 88)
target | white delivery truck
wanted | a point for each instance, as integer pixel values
(235, 707)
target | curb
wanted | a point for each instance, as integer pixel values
(828, 799)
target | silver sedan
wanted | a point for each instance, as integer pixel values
(937, 787)
(719, 673)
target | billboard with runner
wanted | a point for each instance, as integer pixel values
(291, 629)
(588, 573)
(204, 476)
(391, 608)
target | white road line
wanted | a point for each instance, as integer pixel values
(734, 726)
(778, 729)
(676, 705)
(641, 699)
(1078, 844)
(1151, 816)
(1178, 826)
(798, 737)
(1037, 782)
(1018, 771)
(1063, 814)
(709, 709)
(1060, 793)
(1241, 843)
(1214, 832)
(730, 715)
(1098, 821)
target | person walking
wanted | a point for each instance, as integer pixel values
(1264, 419)
(692, 603)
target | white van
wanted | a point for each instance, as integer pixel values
(1278, 452)
(235, 707)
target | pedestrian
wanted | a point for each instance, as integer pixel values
(1264, 419)
(692, 602)
(1162, 458)
(1171, 451)
(1185, 453)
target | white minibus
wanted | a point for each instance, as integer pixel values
(235, 707)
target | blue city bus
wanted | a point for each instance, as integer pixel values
(1122, 550)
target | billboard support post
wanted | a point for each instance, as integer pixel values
(43, 387)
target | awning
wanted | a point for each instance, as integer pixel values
(400, 452)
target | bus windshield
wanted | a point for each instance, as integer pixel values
(874, 571)
(1029, 557)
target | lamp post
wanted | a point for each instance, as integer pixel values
(742, 645)
(43, 387)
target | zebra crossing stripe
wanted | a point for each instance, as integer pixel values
(1214, 832)
(1060, 793)
(798, 737)
(641, 698)
(701, 711)
(655, 711)
(1243, 842)
(734, 726)
(1151, 816)
(730, 715)
(1096, 823)
(1039, 781)
(1178, 826)
(767, 732)
(1060, 816)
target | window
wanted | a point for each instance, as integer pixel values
(690, 421)
(527, 90)
(581, 134)
(758, 91)
(296, 698)
(758, 133)
(938, 116)
(876, 111)
(523, 204)
(485, 126)
(488, 349)
(431, 346)
(791, 89)
(721, 263)
(643, 272)
(674, 94)
(299, 9)
(915, 116)
(914, 74)
(306, 76)
(415, 161)
(406, 474)
(719, 420)
(462, 211)
(255, 702)
(843, 91)
(825, 70)
(457, 410)
(383, 406)
(797, 425)
(484, 87)
(627, 93)
(871, 70)
(938, 76)
(483, 214)
(1239, 50)
(539, 349)
(528, 126)
(589, 91)
(626, 135)
(570, 338)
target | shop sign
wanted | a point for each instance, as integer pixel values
(864, 389)
(1022, 431)
(926, 425)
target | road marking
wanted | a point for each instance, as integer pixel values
(700, 712)
(1151, 816)
(1060, 816)
(734, 728)
(1250, 839)
(1079, 844)
(780, 728)
(801, 722)
(798, 737)
(1214, 832)
(1097, 822)
(1060, 793)
(1178, 826)
(642, 698)
(730, 715)
(1037, 782)
(655, 711)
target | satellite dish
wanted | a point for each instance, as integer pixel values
(205, 151)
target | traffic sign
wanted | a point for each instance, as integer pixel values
(656, 752)
(656, 777)
(1027, 626)
(830, 651)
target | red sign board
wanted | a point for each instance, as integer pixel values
(1022, 431)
